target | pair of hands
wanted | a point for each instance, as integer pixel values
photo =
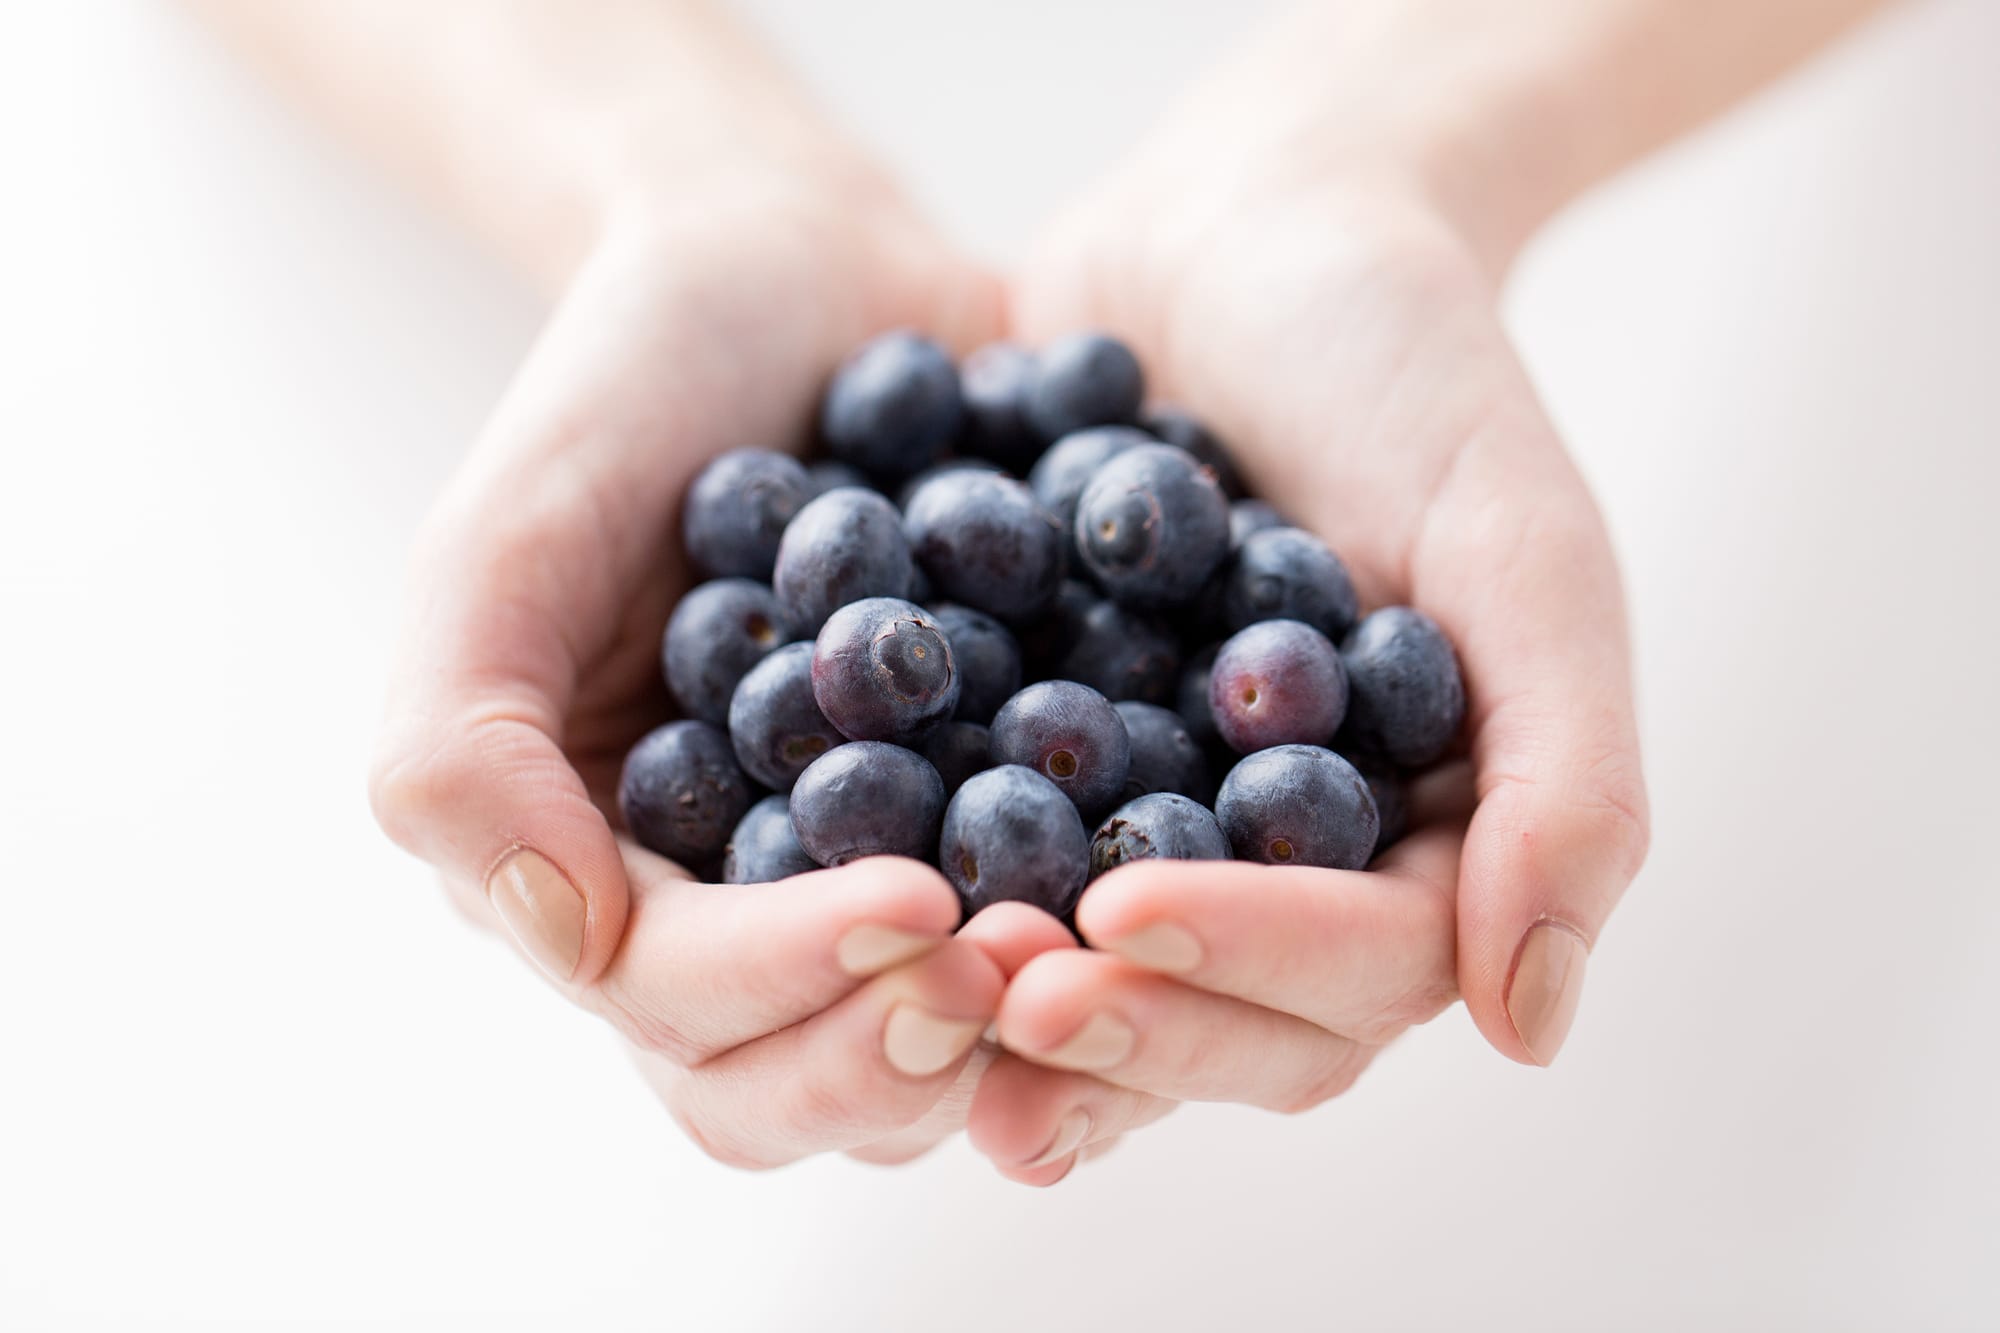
(1340, 332)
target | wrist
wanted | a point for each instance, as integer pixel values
(1482, 124)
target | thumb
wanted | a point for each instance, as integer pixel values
(470, 774)
(1525, 581)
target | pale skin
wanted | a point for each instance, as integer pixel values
(1324, 295)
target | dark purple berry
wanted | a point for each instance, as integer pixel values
(1288, 574)
(1163, 825)
(681, 792)
(1392, 803)
(987, 657)
(908, 490)
(1059, 479)
(1409, 700)
(1071, 735)
(1120, 653)
(1011, 836)
(1082, 380)
(1183, 431)
(1164, 756)
(764, 848)
(1251, 516)
(1047, 641)
(1152, 526)
(868, 799)
(831, 474)
(882, 670)
(737, 508)
(994, 383)
(957, 750)
(846, 545)
(1279, 682)
(893, 407)
(775, 725)
(1298, 805)
(985, 542)
(718, 632)
(1192, 700)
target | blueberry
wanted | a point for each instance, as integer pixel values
(893, 407)
(1279, 682)
(987, 657)
(718, 632)
(681, 791)
(846, 545)
(1164, 756)
(957, 750)
(994, 383)
(1120, 653)
(737, 509)
(882, 670)
(775, 726)
(908, 490)
(1047, 641)
(1084, 379)
(1298, 805)
(1288, 574)
(1191, 702)
(1181, 429)
(1162, 825)
(986, 542)
(1152, 526)
(1392, 803)
(868, 799)
(764, 848)
(1250, 516)
(831, 474)
(1071, 735)
(1059, 479)
(1409, 699)
(1010, 835)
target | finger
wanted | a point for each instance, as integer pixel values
(1010, 933)
(1091, 1013)
(1013, 932)
(870, 1065)
(1528, 589)
(1361, 953)
(1034, 1123)
(707, 967)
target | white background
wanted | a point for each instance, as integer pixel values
(254, 1073)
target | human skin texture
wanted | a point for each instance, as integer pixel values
(1363, 171)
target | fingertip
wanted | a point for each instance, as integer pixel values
(1011, 933)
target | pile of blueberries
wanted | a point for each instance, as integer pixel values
(1012, 626)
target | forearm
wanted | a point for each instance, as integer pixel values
(1505, 111)
(536, 120)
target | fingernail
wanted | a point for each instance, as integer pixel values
(1100, 1043)
(869, 949)
(541, 908)
(920, 1043)
(1547, 983)
(1162, 947)
(1071, 1131)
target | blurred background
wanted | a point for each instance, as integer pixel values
(255, 1073)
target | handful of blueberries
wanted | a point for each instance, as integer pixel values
(1022, 682)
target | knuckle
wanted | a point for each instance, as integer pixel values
(1334, 1077)
(1418, 1005)
(719, 1145)
(409, 783)
(829, 1108)
(652, 1032)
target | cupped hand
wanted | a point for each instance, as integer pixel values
(824, 1013)
(1341, 333)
